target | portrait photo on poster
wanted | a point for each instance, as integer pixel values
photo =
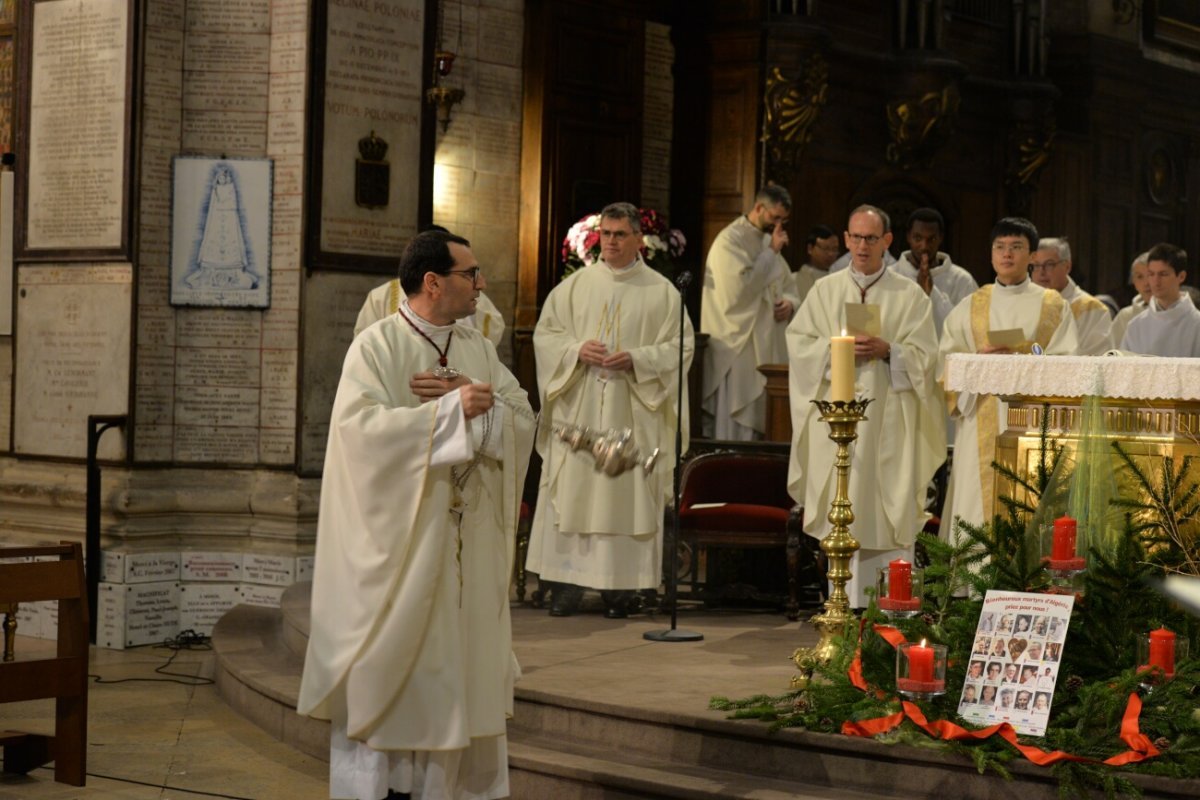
(221, 232)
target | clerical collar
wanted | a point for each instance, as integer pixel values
(865, 282)
(623, 271)
(1011, 287)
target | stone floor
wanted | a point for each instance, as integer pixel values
(159, 740)
(166, 740)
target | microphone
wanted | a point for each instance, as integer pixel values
(684, 279)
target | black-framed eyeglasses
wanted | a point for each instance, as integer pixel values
(472, 274)
(858, 238)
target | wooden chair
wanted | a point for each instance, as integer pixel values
(740, 500)
(63, 677)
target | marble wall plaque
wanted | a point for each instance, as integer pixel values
(201, 605)
(206, 565)
(120, 567)
(254, 594)
(269, 570)
(373, 74)
(219, 444)
(77, 114)
(73, 332)
(132, 615)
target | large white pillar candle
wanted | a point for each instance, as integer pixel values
(841, 353)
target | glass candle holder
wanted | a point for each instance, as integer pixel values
(1157, 654)
(899, 589)
(1060, 549)
(921, 670)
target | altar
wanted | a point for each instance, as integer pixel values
(1150, 405)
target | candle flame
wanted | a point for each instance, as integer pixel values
(922, 643)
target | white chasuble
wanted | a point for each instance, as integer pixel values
(743, 279)
(951, 283)
(1173, 332)
(411, 644)
(1093, 323)
(1046, 319)
(805, 277)
(901, 442)
(1121, 321)
(591, 529)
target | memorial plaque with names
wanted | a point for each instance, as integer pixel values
(201, 606)
(73, 330)
(369, 79)
(78, 119)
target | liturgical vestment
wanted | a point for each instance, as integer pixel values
(951, 283)
(410, 652)
(591, 529)
(901, 443)
(805, 277)
(1045, 318)
(1173, 332)
(384, 299)
(743, 279)
(1093, 323)
(1121, 321)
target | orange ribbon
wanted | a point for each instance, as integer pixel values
(1140, 746)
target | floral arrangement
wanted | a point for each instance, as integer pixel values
(660, 245)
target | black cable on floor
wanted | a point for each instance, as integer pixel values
(160, 785)
(186, 640)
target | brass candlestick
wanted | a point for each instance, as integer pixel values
(839, 546)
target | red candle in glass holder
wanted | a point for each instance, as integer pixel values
(1064, 539)
(899, 580)
(1162, 650)
(920, 663)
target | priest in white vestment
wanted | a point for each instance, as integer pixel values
(1050, 268)
(1170, 325)
(902, 442)
(410, 652)
(822, 248)
(944, 282)
(384, 300)
(747, 301)
(1140, 281)
(607, 350)
(1013, 302)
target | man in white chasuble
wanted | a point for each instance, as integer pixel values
(902, 442)
(1013, 302)
(1170, 325)
(410, 652)
(1050, 268)
(607, 350)
(748, 300)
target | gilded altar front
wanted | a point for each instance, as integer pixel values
(1147, 430)
(1150, 405)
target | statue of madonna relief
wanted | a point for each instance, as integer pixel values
(221, 261)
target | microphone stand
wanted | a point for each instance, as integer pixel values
(672, 634)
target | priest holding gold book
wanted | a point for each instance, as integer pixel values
(890, 359)
(1012, 315)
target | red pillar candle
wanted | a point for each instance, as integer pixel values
(920, 662)
(899, 580)
(1162, 650)
(1064, 539)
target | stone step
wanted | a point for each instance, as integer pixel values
(545, 767)
(295, 606)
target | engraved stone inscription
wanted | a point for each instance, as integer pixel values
(73, 324)
(77, 124)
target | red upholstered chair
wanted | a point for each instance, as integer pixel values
(740, 500)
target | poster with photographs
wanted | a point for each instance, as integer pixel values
(1014, 662)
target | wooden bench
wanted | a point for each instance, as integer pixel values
(63, 677)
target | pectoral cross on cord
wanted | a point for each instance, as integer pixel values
(862, 292)
(442, 354)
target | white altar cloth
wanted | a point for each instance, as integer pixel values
(1132, 377)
